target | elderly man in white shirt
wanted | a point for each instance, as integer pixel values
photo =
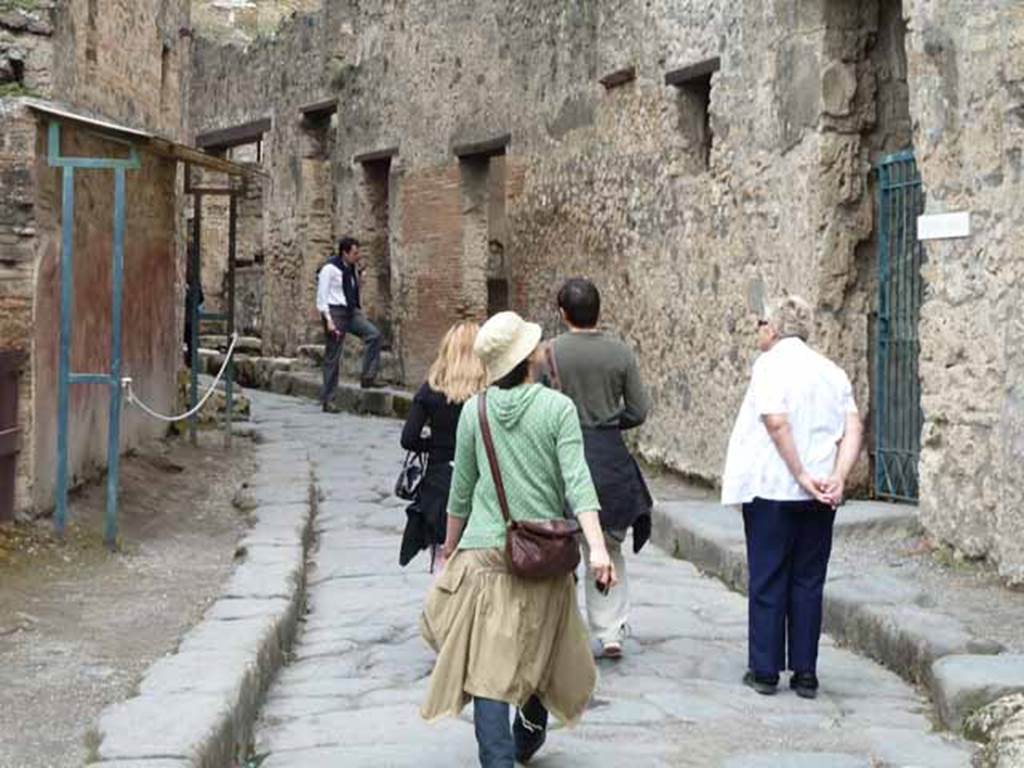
(339, 304)
(796, 438)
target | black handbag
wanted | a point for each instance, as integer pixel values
(411, 475)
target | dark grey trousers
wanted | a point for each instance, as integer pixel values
(357, 324)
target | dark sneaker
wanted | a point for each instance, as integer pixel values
(369, 384)
(331, 408)
(766, 686)
(529, 736)
(805, 684)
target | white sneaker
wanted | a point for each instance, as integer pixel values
(612, 649)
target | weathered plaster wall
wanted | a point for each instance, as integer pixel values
(151, 335)
(967, 77)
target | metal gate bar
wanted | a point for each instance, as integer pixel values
(65, 375)
(897, 405)
(197, 316)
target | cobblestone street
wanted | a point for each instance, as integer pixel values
(350, 696)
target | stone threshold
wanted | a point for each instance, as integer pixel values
(876, 615)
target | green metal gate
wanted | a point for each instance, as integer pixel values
(897, 396)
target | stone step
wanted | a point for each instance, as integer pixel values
(250, 345)
(350, 397)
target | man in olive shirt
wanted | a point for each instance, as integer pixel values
(599, 373)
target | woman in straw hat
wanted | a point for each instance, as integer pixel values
(502, 639)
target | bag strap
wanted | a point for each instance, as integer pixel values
(492, 458)
(553, 378)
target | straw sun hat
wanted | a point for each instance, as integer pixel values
(503, 342)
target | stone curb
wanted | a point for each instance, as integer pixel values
(386, 401)
(195, 708)
(876, 615)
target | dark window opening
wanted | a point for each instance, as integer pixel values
(693, 87)
(92, 13)
(376, 236)
(165, 62)
(497, 296)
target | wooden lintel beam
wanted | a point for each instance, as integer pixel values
(224, 138)
(374, 155)
(494, 146)
(319, 109)
(619, 77)
(684, 75)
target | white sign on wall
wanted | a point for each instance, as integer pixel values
(940, 226)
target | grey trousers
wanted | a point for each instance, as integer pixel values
(357, 324)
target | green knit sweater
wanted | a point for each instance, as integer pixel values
(539, 446)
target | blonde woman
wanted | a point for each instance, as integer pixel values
(456, 375)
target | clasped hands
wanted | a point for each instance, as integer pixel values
(828, 490)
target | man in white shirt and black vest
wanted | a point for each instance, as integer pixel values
(337, 301)
(795, 441)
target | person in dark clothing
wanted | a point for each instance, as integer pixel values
(193, 300)
(599, 373)
(338, 302)
(456, 375)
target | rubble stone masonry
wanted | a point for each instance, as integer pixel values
(535, 140)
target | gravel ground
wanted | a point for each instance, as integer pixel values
(79, 625)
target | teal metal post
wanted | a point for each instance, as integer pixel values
(114, 427)
(67, 377)
(64, 355)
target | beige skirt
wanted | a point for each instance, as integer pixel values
(505, 638)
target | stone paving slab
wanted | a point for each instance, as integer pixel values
(350, 697)
(883, 617)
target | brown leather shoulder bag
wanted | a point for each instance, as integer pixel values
(537, 549)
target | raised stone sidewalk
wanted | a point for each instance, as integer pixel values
(196, 707)
(868, 610)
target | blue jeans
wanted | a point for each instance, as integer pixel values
(788, 548)
(496, 740)
(493, 733)
(357, 324)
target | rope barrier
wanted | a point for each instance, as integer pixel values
(131, 397)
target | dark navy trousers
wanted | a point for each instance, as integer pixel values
(788, 547)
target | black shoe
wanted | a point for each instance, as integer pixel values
(369, 384)
(766, 686)
(805, 684)
(529, 738)
(331, 408)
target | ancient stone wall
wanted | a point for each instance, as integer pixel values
(526, 142)
(241, 21)
(274, 78)
(966, 62)
(126, 59)
(26, 48)
(18, 230)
